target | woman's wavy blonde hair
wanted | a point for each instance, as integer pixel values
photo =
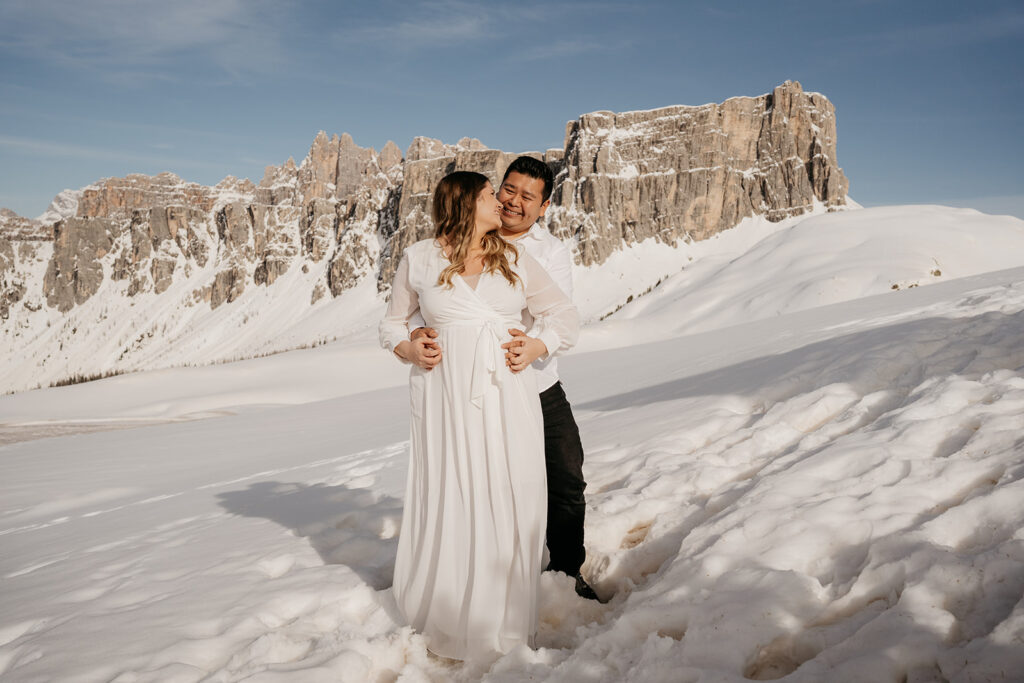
(454, 214)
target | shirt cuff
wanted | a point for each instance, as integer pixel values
(390, 345)
(551, 341)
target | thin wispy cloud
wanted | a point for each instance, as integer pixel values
(136, 38)
(561, 49)
(455, 23)
(979, 28)
(53, 148)
(434, 32)
(721, 13)
(428, 24)
(19, 107)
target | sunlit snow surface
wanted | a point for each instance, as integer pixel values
(777, 488)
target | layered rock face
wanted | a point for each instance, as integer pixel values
(690, 172)
(345, 214)
(20, 240)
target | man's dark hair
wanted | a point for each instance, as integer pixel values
(535, 168)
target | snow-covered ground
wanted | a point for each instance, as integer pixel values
(795, 472)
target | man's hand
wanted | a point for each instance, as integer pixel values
(423, 352)
(522, 350)
(421, 331)
(426, 352)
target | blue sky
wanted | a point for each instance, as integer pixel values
(929, 95)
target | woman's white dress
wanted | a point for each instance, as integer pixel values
(472, 536)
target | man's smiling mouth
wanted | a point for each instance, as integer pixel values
(509, 212)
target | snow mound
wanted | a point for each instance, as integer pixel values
(823, 260)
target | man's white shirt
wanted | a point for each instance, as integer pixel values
(551, 253)
(554, 256)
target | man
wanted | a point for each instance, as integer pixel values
(525, 195)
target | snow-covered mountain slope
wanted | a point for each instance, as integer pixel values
(132, 273)
(260, 322)
(651, 291)
(759, 270)
(833, 493)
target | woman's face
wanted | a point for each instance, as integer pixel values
(488, 211)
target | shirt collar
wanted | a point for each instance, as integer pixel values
(533, 232)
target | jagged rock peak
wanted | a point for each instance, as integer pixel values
(692, 171)
(234, 184)
(471, 144)
(335, 167)
(64, 205)
(423, 148)
(353, 164)
(15, 227)
(117, 197)
(272, 175)
(390, 155)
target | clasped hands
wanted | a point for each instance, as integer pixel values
(423, 351)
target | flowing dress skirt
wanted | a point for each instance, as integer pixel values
(472, 537)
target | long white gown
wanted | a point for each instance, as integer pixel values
(472, 536)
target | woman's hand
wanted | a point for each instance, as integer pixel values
(522, 350)
(423, 352)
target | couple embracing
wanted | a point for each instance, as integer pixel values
(495, 466)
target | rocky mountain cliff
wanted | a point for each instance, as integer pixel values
(338, 222)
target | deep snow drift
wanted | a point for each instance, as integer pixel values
(796, 480)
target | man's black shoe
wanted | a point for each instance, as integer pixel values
(584, 590)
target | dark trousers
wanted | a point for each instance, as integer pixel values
(563, 454)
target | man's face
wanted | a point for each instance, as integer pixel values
(523, 200)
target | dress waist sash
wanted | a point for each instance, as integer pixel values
(488, 356)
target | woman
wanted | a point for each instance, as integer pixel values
(469, 553)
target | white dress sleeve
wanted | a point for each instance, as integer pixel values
(559, 321)
(404, 303)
